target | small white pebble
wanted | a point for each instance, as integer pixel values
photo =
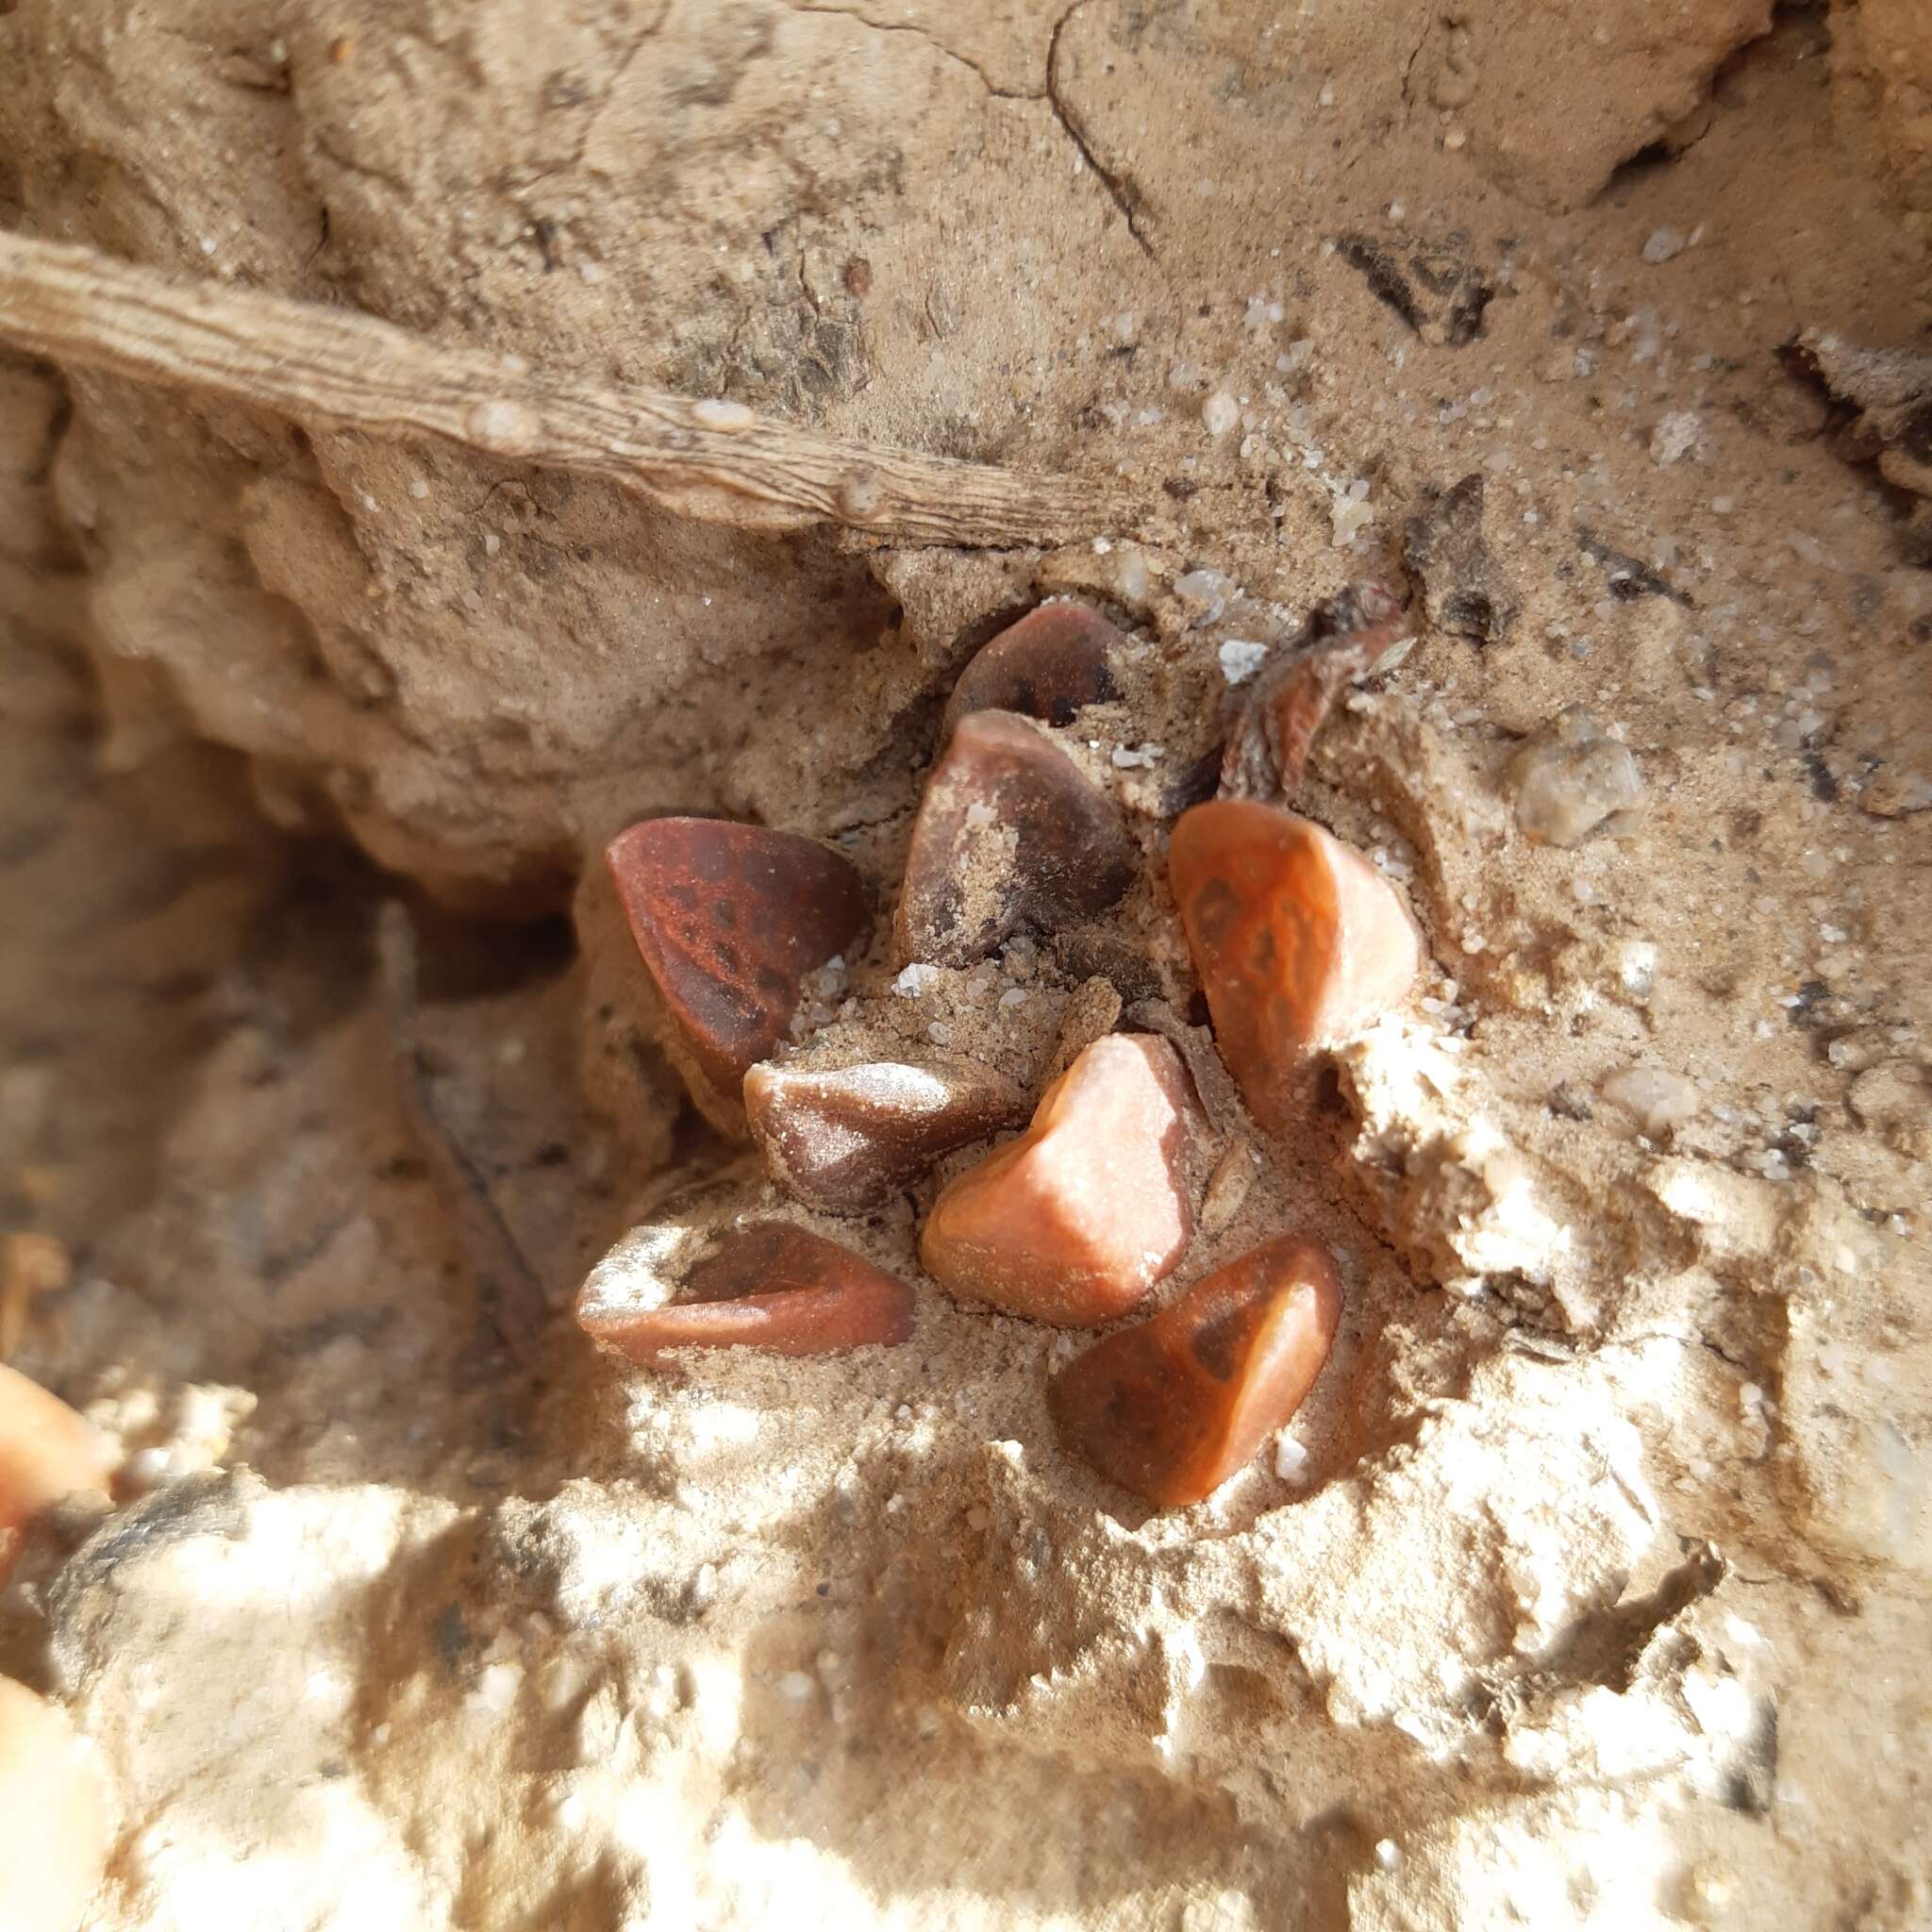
(720, 412)
(495, 1690)
(1291, 1459)
(796, 1687)
(915, 979)
(1388, 1854)
(1220, 412)
(1637, 967)
(328, 1688)
(1241, 659)
(417, 487)
(939, 1033)
(1348, 516)
(1677, 435)
(1655, 1098)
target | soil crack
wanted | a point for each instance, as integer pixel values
(931, 39)
(1120, 187)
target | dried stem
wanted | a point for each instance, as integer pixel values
(1343, 640)
(511, 1298)
(713, 460)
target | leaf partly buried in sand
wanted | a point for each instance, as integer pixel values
(1011, 837)
(850, 1137)
(729, 919)
(772, 1285)
(1171, 1408)
(1050, 665)
(1299, 941)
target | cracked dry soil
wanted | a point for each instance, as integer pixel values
(1591, 1587)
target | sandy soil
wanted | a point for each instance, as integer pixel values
(1598, 1590)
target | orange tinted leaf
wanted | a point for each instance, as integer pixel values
(1076, 1219)
(1298, 940)
(772, 1286)
(1172, 1406)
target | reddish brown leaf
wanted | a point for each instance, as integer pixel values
(850, 1137)
(772, 1285)
(1052, 664)
(1011, 837)
(729, 919)
(1287, 705)
(1172, 1406)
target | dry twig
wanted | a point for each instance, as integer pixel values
(510, 1297)
(713, 461)
(1275, 730)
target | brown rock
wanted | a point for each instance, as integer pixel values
(1075, 1220)
(771, 1286)
(53, 1816)
(1172, 1406)
(1052, 664)
(46, 1452)
(842, 1137)
(1298, 940)
(1439, 293)
(1466, 590)
(1010, 836)
(729, 919)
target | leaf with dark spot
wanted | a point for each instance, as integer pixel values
(729, 919)
(1050, 665)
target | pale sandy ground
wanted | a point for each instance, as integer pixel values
(1599, 1594)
